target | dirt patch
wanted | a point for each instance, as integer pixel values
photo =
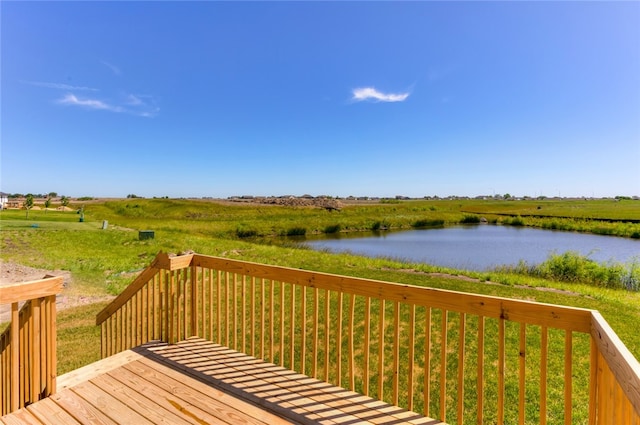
(11, 273)
(329, 204)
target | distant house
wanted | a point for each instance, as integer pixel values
(4, 199)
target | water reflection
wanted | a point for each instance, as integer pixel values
(479, 247)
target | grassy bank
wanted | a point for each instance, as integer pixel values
(225, 219)
(105, 261)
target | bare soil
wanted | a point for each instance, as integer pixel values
(11, 273)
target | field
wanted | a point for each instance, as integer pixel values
(103, 262)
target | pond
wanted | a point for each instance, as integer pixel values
(480, 247)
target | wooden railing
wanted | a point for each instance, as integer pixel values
(28, 344)
(458, 357)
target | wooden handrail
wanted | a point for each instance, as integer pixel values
(28, 345)
(621, 363)
(561, 317)
(17, 292)
(417, 347)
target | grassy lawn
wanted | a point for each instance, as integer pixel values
(105, 261)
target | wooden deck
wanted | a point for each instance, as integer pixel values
(199, 382)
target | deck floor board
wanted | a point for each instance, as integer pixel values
(198, 382)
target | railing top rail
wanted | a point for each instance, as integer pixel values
(24, 291)
(553, 316)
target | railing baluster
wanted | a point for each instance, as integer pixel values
(21, 358)
(461, 351)
(480, 378)
(172, 299)
(381, 350)
(522, 374)
(187, 305)
(427, 362)
(252, 320)
(292, 325)
(192, 297)
(352, 308)
(544, 350)
(327, 299)
(412, 355)
(234, 312)
(243, 300)
(316, 323)
(396, 351)
(443, 366)
(281, 335)
(339, 341)
(139, 317)
(179, 306)
(126, 323)
(271, 321)
(303, 327)
(227, 296)
(367, 335)
(36, 350)
(263, 301)
(153, 301)
(147, 310)
(53, 340)
(568, 381)
(501, 368)
(210, 310)
(219, 307)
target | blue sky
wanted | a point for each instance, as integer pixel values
(217, 99)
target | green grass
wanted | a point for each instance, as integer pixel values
(102, 261)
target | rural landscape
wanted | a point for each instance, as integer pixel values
(320, 213)
(97, 245)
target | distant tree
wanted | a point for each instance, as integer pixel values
(47, 204)
(28, 203)
(507, 196)
(53, 195)
(64, 201)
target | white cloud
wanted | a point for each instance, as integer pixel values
(71, 99)
(140, 109)
(134, 100)
(370, 93)
(113, 68)
(59, 86)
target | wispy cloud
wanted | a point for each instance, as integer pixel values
(71, 99)
(370, 93)
(134, 100)
(59, 86)
(112, 67)
(135, 105)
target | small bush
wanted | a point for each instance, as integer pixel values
(514, 221)
(427, 223)
(335, 228)
(246, 233)
(470, 219)
(297, 231)
(575, 267)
